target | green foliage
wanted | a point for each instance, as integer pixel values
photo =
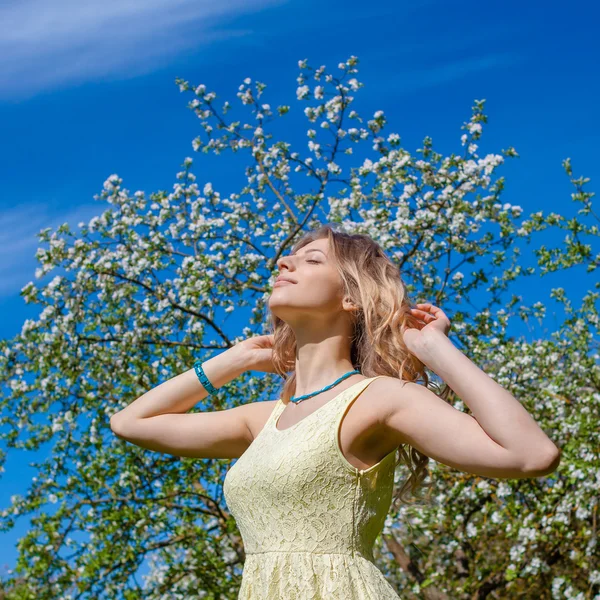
(148, 286)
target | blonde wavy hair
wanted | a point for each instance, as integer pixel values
(373, 283)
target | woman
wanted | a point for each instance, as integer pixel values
(314, 480)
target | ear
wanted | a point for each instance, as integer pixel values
(349, 305)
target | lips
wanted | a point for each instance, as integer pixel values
(279, 279)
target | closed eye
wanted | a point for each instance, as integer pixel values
(313, 261)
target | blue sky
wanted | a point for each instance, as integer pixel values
(87, 90)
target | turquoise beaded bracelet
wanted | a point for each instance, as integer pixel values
(208, 386)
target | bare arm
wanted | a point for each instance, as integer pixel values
(418, 417)
(182, 392)
(500, 440)
(157, 420)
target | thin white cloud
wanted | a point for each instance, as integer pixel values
(19, 243)
(48, 45)
(411, 80)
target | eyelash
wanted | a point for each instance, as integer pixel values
(313, 261)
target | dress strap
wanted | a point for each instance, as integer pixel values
(337, 421)
(277, 410)
(357, 390)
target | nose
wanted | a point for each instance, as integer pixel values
(284, 260)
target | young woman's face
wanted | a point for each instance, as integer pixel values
(317, 289)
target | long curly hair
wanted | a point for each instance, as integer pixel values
(373, 283)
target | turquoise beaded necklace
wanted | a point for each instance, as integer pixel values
(328, 387)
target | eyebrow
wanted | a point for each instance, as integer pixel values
(311, 250)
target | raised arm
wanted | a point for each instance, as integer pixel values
(157, 420)
(501, 440)
(418, 417)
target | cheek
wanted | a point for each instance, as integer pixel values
(324, 290)
(320, 282)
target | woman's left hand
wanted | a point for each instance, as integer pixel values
(431, 321)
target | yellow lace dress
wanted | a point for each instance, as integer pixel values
(308, 518)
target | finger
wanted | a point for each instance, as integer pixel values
(422, 314)
(417, 315)
(430, 307)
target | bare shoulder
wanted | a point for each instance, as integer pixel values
(394, 395)
(257, 414)
(381, 396)
(413, 414)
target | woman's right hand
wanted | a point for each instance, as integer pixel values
(259, 351)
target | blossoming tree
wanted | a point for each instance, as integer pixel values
(147, 286)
